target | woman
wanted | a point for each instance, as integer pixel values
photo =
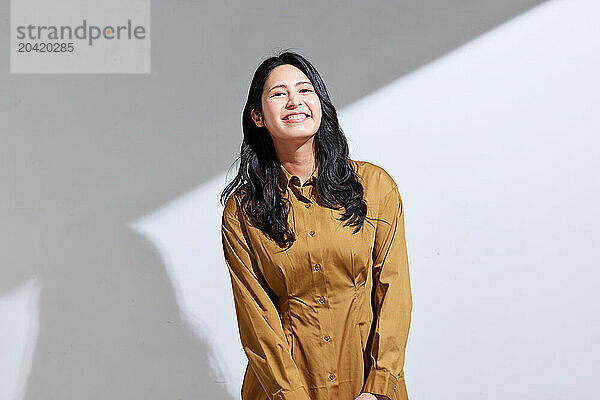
(314, 244)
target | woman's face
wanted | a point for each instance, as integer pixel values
(289, 93)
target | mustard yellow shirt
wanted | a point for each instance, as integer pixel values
(327, 318)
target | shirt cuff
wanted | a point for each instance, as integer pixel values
(386, 383)
(297, 394)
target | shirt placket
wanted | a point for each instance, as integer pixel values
(319, 275)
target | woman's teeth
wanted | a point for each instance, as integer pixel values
(296, 117)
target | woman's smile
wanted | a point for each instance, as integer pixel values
(296, 118)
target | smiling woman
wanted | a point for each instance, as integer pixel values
(315, 248)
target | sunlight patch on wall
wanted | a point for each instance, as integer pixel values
(18, 335)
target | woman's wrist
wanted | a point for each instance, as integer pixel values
(380, 396)
(375, 396)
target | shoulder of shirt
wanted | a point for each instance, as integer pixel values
(231, 208)
(375, 176)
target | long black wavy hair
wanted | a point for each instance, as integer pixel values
(257, 178)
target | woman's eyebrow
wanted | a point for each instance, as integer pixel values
(297, 83)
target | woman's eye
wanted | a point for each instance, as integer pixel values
(301, 90)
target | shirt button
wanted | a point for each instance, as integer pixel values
(317, 267)
(311, 233)
(394, 387)
(331, 377)
(327, 338)
(307, 205)
(322, 300)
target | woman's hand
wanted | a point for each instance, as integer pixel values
(371, 396)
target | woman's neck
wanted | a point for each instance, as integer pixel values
(300, 161)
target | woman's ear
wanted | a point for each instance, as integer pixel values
(257, 118)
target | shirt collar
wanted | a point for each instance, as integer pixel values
(286, 178)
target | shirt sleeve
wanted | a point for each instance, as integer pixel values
(260, 328)
(392, 301)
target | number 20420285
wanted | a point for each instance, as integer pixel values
(46, 47)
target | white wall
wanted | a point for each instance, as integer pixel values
(494, 146)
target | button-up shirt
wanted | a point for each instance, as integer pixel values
(328, 317)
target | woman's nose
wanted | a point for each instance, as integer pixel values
(294, 99)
